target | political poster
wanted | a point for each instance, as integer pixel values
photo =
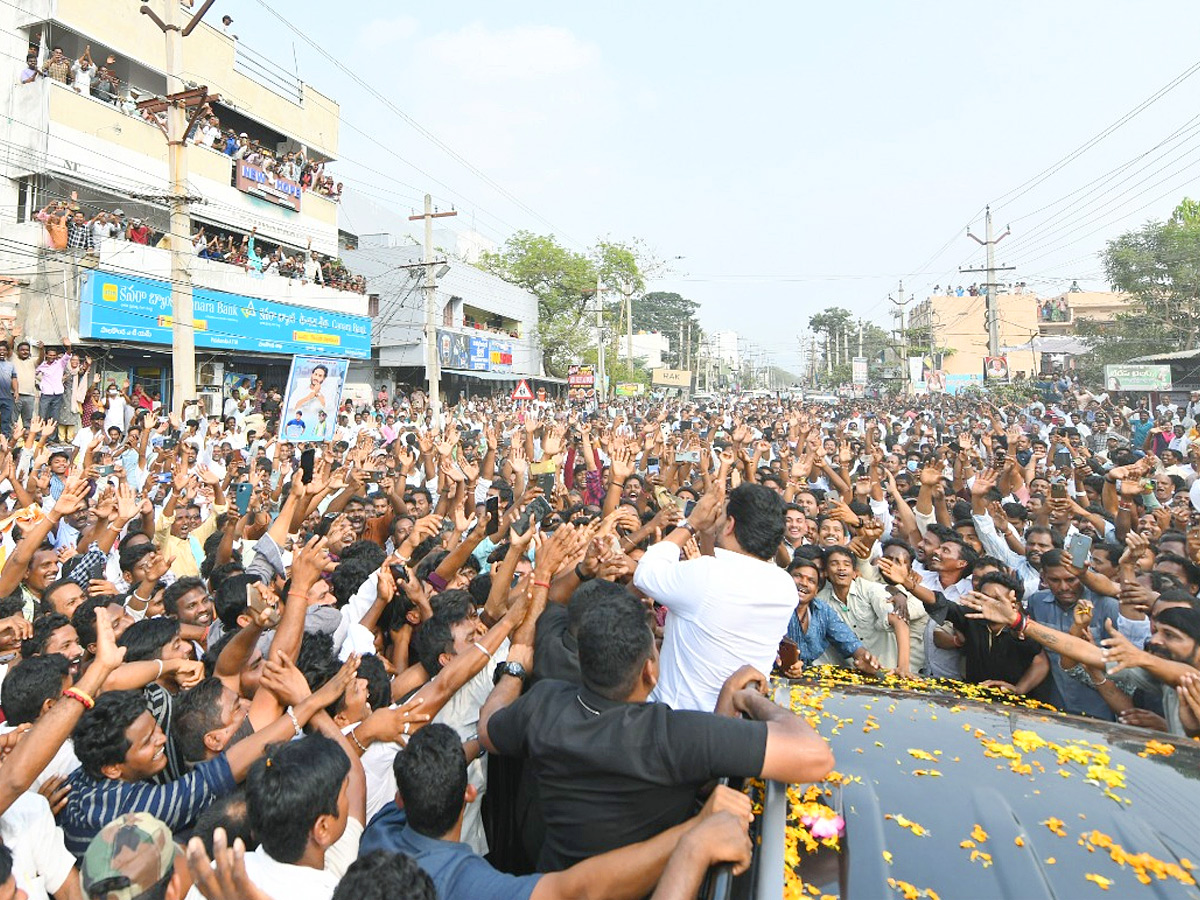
(995, 368)
(314, 392)
(1133, 377)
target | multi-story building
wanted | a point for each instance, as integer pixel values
(62, 143)
(649, 348)
(486, 329)
(954, 329)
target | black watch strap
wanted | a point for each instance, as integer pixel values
(508, 667)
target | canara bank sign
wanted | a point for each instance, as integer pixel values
(280, 191)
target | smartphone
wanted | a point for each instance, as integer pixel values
(538, 509)
(492, 507)
(1062, 457)
(789, 653)
(545, 481)
(307, 459)
(687, 509)
(105, 470)
(242, 496)
(1079, 546)
(1058, 491)
(165, 478)
(170, 443)
(399, 573)
(652, 465)
(687, 456)
(254, 600)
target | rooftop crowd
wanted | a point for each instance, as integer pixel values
(101, 82)
(507, 656)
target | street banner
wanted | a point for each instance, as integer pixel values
(1134, 377)
(630, 389)
(314, 392)
(858, 369)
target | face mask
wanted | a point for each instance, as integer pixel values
(911, 465)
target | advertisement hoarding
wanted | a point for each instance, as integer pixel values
(679, 378)
(1135, 377)
(119, 308)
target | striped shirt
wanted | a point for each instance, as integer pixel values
(93, 803)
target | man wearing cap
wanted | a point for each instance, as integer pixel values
(134, 856)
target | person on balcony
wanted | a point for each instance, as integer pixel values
(83, 71)
(58, 67)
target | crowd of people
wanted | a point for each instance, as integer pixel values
(69, 227)
(507, 655)
(101, 82)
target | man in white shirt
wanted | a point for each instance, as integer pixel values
(42, 865)
(726, 610)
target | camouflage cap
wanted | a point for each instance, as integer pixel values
(128, 857)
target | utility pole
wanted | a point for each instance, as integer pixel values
(628, 292)
(902, 304)
(860, 337)
(432, 367)
(601, 385)
(687, 348)
(993, 314)
(176, 105)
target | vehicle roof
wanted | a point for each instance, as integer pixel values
(1053, 795)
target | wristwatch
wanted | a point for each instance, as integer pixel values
(689, 526)
(508, 667)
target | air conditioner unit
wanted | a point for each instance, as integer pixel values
(211, 374)
(210, 400)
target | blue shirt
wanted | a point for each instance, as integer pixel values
(93, 803)
(457, 871)
(1071, 694)
(825, 627)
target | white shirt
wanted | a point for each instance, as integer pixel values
(282, 881)
(41, 861)
(63, 763)
(723, 612)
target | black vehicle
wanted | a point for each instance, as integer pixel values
(957, 791)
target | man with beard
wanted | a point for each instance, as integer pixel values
(181, 535)
(1038, 539)
(1056, 608)
(1116, 666)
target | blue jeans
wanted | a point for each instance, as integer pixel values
(6, 415)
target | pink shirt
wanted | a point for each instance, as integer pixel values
(52, 375)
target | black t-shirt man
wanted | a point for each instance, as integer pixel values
(613, 772)
(556, 653)
(993, 657)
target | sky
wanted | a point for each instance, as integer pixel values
(782, 157)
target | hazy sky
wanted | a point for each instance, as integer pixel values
(797, 155)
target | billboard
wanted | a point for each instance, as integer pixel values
(581, 376)
(1133, 377)
(500, 356)
(680, 378)
(453, 350)
(995, 368)
(259, 183)
(858, 369)
(630, 389)
(478, 354)
(119, 308)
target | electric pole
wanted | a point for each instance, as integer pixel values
(993, 314)
(176, 105)
(601, 385)
(902, 304)
(860, 337)
(432, 368)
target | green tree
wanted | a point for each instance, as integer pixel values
(1159, 266)
(563, 282)
(671, 314)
